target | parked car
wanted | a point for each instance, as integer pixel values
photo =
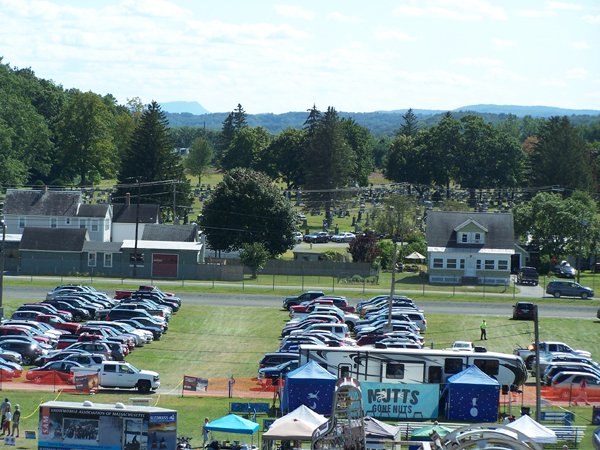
(317, 237)
(558, 288)
(298, 237)
(528, 275)
(570, 379)
(343, 237)
(463, 346)
(29, 350)
(523, 311)
(564, 270)
(276, 358)
(60, 369)
(554, 368)
(274, 373)
(288, 302)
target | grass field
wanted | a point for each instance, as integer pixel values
(217, 342)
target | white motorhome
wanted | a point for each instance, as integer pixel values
(412, 365)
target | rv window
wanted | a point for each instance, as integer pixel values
(344, 371)
(435, 374)
(394, 371)
(488, 366)
(453, 365)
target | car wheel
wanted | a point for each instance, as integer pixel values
(584, 295)
(37, 379)
(144, 386)
(556, 294)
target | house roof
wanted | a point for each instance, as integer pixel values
(441, 229)
(105, 247)
(165, 232)
(161, 245)
(93, 210)
(53, 239)
(41, 202)
(126, 213)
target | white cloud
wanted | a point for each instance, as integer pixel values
(581, 45)
(577, 73)
(459, 10)
(503, 43)
(337, 16)
(478, 62)
(392, 35)
(592, 19)
(536, 13)
(294, 12)
(565, 6)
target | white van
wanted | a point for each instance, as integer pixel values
(340, 330)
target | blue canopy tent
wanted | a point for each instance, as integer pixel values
(233, 424)
(309, 385)
(472, 396)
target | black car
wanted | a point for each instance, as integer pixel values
(528, 275)
(523, 311)
(317, 237)
(276, 358)
(30, 351)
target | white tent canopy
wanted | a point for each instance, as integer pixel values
(304, 413)
(415, 256)
(292, 430)
(534, 430)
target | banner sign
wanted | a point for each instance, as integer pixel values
(394, 401)
(194, 383)
(85, 382)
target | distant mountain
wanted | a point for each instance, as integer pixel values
(533, 111)
(381, 122)
(184, 107)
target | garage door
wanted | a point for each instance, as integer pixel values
(164, 265)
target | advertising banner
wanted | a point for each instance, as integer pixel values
(85, 382)
(393, 400)
(194, 383)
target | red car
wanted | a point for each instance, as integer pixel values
(59, 323)
(7, 330)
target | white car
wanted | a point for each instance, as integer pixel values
(463, 346)
(343, 237)
(298, 237)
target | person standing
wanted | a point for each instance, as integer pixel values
(582, 395)
(7, 422)
(16, 418)
(483, 328)
(205, 432)
(4, 407)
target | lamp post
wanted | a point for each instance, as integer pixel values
(3, 225)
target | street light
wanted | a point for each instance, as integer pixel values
(3, 225)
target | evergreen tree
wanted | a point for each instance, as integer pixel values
(239, 119)
(409, 127)
(151, 160)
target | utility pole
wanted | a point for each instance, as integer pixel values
(137, 224)
(175, 203)
(538, 403)
(582, 224)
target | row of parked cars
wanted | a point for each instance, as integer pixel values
(77, 327)
(319, 319)
(320, 237)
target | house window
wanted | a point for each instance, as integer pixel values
(108, 260)
(489, 264)
(462, 263)
(438, 263)
(451, 263)
(21, 222)
(53, 222)
(503, 264)
(478, 264)
(92, 259)
(81, 223)
(95, 225)
(477, 237)
(464, 238)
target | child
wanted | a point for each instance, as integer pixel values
(7, 422)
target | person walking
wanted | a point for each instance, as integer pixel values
(483, 328)
(205, 432)
(582, 394)
(4, 407)
(15, 419)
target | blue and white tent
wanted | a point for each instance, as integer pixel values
(309, 385)
(472, 396)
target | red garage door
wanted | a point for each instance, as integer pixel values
(164, 266)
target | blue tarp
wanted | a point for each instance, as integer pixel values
(233, 424)
(309, 385)
(472, 396)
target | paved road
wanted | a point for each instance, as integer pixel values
(572, 309)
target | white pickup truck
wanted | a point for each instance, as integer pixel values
(116, 374)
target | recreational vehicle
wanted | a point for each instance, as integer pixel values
(412, 365)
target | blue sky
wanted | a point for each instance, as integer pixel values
(279, 56)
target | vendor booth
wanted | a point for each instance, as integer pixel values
(309, 385)
(472, 396)
(71, 425)
(534, 430)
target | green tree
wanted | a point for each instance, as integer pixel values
(240, 118)
(409, 125)
(561, 157)
(246, 148)
(361, 142)
(396, 218)
(226, 137)
(150, 159)
(285, 157)
(329, 161)
(199, 157)
(246, 207)
(254, 255)
(85, 138)
(405, 162)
